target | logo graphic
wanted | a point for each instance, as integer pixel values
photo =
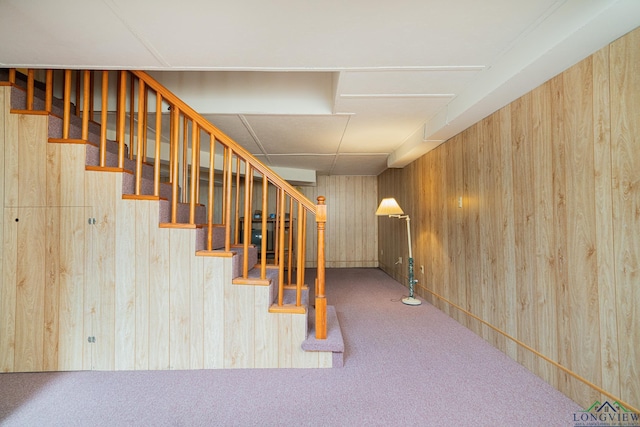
(606, 414)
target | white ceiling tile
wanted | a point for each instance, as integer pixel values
(298, 134)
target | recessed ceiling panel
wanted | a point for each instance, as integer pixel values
(318, 163)
(298, 134)
(447, 81)
(359, 165)
(381, 125)
(235, 129)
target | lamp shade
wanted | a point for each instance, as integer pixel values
(389, 206)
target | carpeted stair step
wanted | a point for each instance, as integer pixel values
(334, 342)
(289, 297)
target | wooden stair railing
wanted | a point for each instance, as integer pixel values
(171, 139)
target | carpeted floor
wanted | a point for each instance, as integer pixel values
(404, 366)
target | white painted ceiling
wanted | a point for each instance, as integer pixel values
(346, 87)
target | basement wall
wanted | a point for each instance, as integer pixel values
(544, 251)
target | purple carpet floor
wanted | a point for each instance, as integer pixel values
(403, 366)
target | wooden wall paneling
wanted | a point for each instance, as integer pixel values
(52, 261)
(54, 174)
(30, 291)
(351, 221)
(196, 309)
(4, 111)
(299, 357)
(428, 217)
(142, 261)
(357, 221)
(125, 283)
(8, 290)
(491, 220)
(89, 291)
(72, 257)
(100, 191)
(509, 310)
(72, 164)
(625, 145)
(418, 236)
(159, 289)
(558, 135)
(471, 230)
(456, 235)
(439, 228)
(604, 225)
(217, 275)
(580, 200)
(285, 338)
(266, 329)
(544, 290)
(32, 160)
(239, 318)
(524, 217)
(179, 297)
(11, 179)
(568, 204)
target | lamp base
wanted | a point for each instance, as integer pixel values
(411, 301)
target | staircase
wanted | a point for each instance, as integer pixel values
(148, 213)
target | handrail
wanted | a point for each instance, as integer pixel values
(131, 97)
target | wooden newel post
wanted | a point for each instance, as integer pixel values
(321, 301)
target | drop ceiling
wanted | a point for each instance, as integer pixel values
(332, 87)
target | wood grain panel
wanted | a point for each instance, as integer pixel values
(299, 357)
(32, 160)
(544, 293)
(625, 128)
(604, 226)
(285, 337)
(72, 246)
(54, 175)
(196, 308)
(456, 236)
(471, 228)
(582, 270)
(159, 290)
(125, 284)
(11, 179)
(266, 330)
(52, 287)
(508, 230)
(30, 290)
(100, 191)
(142, 262)
(217, 275)
(239, 318)
(351, 232)
(8, 290)
(558, 133)
(491, 219)
(72, 174)
(179, 297)
(524, 211)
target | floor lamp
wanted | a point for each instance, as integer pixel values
(389, 207)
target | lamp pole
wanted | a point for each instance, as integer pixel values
(410, 300)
